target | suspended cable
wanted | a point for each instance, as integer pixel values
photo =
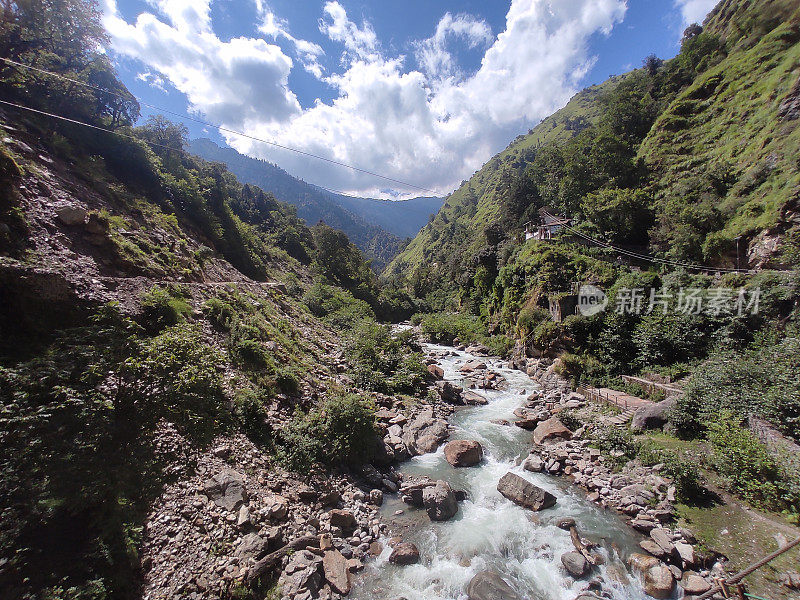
(650, 258)
(218, 127)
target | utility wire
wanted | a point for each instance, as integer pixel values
(218, 127)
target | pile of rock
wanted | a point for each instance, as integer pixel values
(237, 515)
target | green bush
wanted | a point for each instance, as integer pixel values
(340, 430)
(748, 468)
(684, 472)
(443, 328)
(249, 411)
(164, 308)
(221, 314)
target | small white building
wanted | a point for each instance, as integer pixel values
(549, 225)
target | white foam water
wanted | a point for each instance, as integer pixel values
(489, 531)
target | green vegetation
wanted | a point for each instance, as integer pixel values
(340, 430)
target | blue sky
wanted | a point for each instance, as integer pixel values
(423, 92)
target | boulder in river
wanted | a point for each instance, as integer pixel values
(440, 501)
(659, 581)
(425, 433)
(575, 564)
(488, 585)
(522, 492)
(463, 453)
(404, 553)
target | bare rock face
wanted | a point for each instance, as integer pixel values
(659, 582)
(302, 576)
(404, 553)
(226, 489)
(524, 493)
(425, 433)
(463, 453)
(440, 501)
(488, 585)
(575, 564)
(551, 430)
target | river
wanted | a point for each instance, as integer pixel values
(489, 531)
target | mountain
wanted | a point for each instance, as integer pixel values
(403, 218)
(377, 227)
(707, 139)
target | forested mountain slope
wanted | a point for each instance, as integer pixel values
(377, 227)
(708, 140)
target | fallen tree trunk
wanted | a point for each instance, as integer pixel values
(569, 525)
(268, 563)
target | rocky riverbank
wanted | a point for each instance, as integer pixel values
(643, 494)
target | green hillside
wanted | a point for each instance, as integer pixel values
(709, 138)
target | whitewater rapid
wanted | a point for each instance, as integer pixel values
(490, 532)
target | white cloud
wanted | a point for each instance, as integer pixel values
(308, 52)
(694, 11)
(231, 82)
(432, 53)
(432, 127)
(153, 80)
(360, 42)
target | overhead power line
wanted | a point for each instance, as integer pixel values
(649, 257)
(218, 127)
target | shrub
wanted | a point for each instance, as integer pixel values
(220, 313)
(340, 430)
(745, 463)
(162, 308)
(684, 472)
(248, 409)
(443, 328)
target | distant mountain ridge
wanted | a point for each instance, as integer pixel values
(377, 227)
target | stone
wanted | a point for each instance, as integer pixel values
(436, 371)
(226, 489)
(550, 430)
(524, 493)
(657, 577)
(244, 516)
(694, 585)
(337, 572)
(488, 585)
(686, 552)
(662, 538)
(575, 564)
(651, 547)
(71, 214)
(463, 453)
(252, 546)
(404, 553)
(343, 519)
(478, 349)
(473, 398)
(533, 464)
(652, 416)
(440, 501)
(425, 433)
(376, 497)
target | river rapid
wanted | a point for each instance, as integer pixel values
(490, 532)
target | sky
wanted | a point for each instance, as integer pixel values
(422, 92)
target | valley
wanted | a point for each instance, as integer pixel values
(574, 377)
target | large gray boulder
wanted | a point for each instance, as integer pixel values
(575, 564)
(522, 492)
(488, 585)
(653, 416)
(425, 433)
(226, 489)
(440, 501)
(463, 453)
